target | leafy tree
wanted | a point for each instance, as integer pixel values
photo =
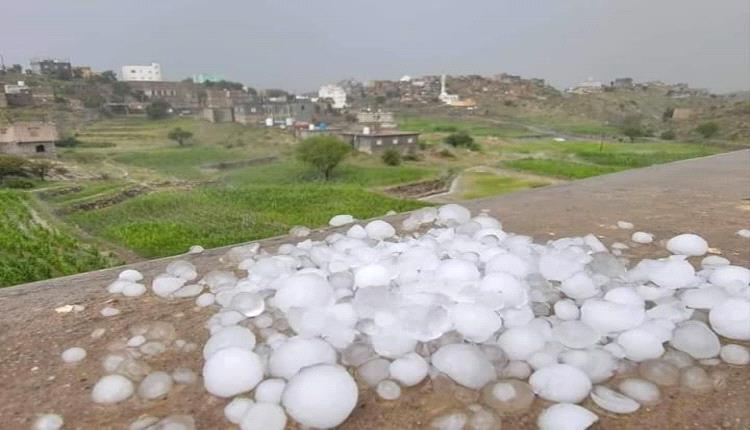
(68, 141)
(93, 100)
(275, 92)
(16, 68)
(632, 128)
(667, 114)
(324, 153)
(391, 157)
(461, 139)
(708, 129)
(41, 168)
(12, 166)
(159, 109)
(108, 76)
(179, 135)
(224, 85)
(121, 89)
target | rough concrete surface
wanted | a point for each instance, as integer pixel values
(708, 196)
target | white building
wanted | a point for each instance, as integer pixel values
(141, 73)
(589, 86)
(335, 93)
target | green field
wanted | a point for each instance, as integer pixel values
(475, 185)
(31, 249)
(475, 127)
(583, 159)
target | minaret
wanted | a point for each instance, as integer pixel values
(442, 85)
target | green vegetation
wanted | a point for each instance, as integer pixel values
(12, 166)
(167, 223)
(486, 184)
(323, 153)
(31, 250)
(462, 139)
(707, 129)
(474, 127)
(159, 109)
(560, 168)
(667, 135)
(179, 135)
(391, 157)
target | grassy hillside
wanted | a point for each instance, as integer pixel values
(31, 249)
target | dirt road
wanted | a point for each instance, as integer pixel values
(709, 196)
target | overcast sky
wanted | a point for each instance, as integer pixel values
(299, 45)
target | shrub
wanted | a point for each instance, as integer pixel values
(462, 139)
(667, 135)
(324, 153)
(446, 153)
(18, 183)
(158, 110)
(391, 157)
(707, 129)
(179, 135)
(412, 156)
(69, 141)
(445, 128)
(12, 166)
(41, 168)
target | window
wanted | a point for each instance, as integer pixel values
(395, 141)
(379, 142)
(41, 148)
(410, 140)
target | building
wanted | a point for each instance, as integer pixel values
(149, 73)
(29, 139)
(623, 83)
(588, 86)
(18, 94)
(377, 119)
(225, 114)
(202, 78)
(60, 69)
(334, 93)
(182, 96)
(379, 141)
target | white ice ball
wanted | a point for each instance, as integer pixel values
(231, 371)
(112, 389)
(409, 370)
(73, 355)
(465, 364)
(297, 353)
(560, 383)
(263, 416)
(566, 416)
(687, 244)
(320, 396)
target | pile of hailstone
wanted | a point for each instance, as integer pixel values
(458, 297)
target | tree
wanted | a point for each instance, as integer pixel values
(12, 166)
(16, 68)
(391, 157)
(632, 128)
(108, 76)
(275, 92)
(708, 129)
(41, 168)
(158, 110)
(324, 153)
(461, 139)
(179, 135)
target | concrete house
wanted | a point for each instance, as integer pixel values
(380, 141)
(60, 69)
(151, 72)
(29, 139)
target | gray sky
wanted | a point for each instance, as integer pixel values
(299, 44)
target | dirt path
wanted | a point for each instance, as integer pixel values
(710, 196)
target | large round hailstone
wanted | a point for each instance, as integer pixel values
(732, 319)
(165, 285)
(455, 270)
(320, 396)
(133, 290)
(566, 309)
(231, 371)
(519, 343)
(566, 416)
(452, 214)
(608, 317)
(735, 354)
(575, 334)
(642, 391)
(730, 276)
(372, 275)
(235, 409)
(598, 364)
(507, 263)
(339, 220)
(303, 290)
(513, 293)
(393, 344)
(642, 237)
(73, 355)
(688, 244)
(673, 273)
(130, 275)
(475, 322)
(640, 345)
(465, 364)
(248, 304)
(705, 297)
(580, 286)
(696, 339)
(112, 389)
(296, 353)
(379, 230)
(263, 416)
(612, 401)
(560, 265)
(48, 422)
(409, 370)
(155, 385)
(270, 391)
(560, 383)
(232, 336)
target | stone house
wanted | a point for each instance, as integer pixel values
(29, 139)
(380, 141)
